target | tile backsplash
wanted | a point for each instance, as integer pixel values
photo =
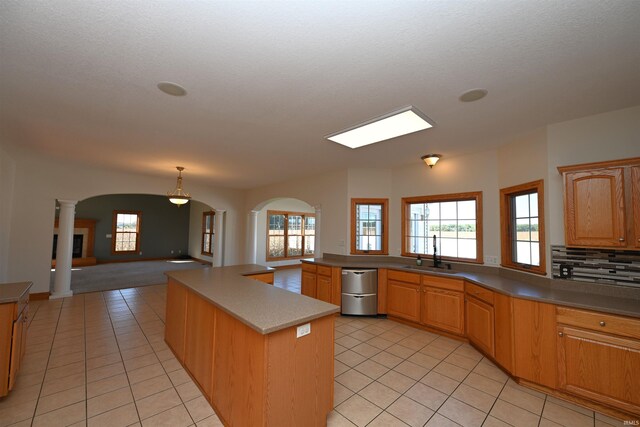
(606, 266)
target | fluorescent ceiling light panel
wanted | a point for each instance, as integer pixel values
(397, 123)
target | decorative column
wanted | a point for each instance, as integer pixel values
(218, 229)
(317, 250)
(252, 234)
(64, 250)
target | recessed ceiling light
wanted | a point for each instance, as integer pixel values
(172, 89)
(473, 95)
(397, 123)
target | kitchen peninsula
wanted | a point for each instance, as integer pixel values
(261, 355)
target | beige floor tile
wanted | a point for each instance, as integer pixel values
(65, 371)
(462, 413)
(159, 402)
(511, 383)
(461, 361)
(179, 377)
(145, 373)
(387, 359)
(199, 408)
(468, 351)
(354, 380)
(494, 422)
(105, 372)
(371, 369)
(362, 335)
(400, 351)
(339, 368)
(20, 394)
(120, 417)
(451, 371)
(440, 421)
(140, 362)
(350, 358)
(177, 416)
(165, 355)
(366, 350)
(107, 385)
(62, 417)
(358, 410)
(60, 384)
(340, 393)
(410, 411)
(476, 398)
(109, 401)
(415, 345)
(348, 341)
(61, 399)
(379, 394)
(212, 421)
(424, 360)
(171, 365)
(565, 416)
(411, 370)
(484, 384)
(335, 419)
(446, 343)
(380, 343)
(385, 419)
(513, 415)
(607, 420)
(396, 381)
(547, 423)
(427, 396)
(26, 380)
(392, 336)
(572, 406)
(337, 349)
(489, 370)
(345, 329)
(522, 399)
(100, 361)
(14, 413)
(440, 382)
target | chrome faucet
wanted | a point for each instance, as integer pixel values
(436, 261)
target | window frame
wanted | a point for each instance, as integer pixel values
(114, 232)
(439, 198)
(286, 214)
(506, 226)
(211, 233)
(385, 225)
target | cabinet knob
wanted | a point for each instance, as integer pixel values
(602, 323)
(621, 239)
(560, 334)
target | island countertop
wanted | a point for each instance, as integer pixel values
(12, 292)
(515, 288)
(261, 306)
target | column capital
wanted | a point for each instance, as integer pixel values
(317, 208)
(220, 211)
(254, 213)
(67, 202)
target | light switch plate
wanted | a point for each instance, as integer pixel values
(303, 330)
(108, 236)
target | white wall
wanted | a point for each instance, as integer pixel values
(7, 175)
(291, 205)
(608, 136)
(40, 181)
(329, 191)
(195, 230)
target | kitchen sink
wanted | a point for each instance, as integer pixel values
(427, 268)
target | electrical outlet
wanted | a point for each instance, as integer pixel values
(108, 236)
(172, 252)
(303, 330)
(491, 260)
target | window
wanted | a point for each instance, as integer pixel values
(207, 232)
(454, 219)
(369, 226)
(126, 232)
(290, 234)
(522, 222)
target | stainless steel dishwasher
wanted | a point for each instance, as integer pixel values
(360, 291)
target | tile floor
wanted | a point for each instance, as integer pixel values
(100, 359)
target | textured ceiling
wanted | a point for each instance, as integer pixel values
(266, 80)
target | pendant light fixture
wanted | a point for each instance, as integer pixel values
(178, 196)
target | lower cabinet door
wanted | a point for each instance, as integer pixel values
(16, 349)
(443, 309)
(599, 367)
(480, 318)
(403, 300)
(308, 284)
(323, 291)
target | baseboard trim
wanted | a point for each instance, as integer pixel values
(39, 296)
(116, 261)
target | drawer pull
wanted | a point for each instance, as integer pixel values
(602, 323)
(621, 239)
(560, 334)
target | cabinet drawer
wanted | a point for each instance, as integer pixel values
(605, 323)
(324, 270)
(311, 268)
(479, 292)
(403, 276)
(443, 283)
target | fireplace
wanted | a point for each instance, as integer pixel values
(77, 245)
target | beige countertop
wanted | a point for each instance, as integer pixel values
(513, 287)
(261, 306)
(11, 292)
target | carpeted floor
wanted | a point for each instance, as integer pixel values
(122, 275)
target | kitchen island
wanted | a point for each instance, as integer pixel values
(261, 355)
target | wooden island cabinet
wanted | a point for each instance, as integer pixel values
(14, 313)
(262, 356)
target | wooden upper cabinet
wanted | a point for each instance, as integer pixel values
(602, 205)
(594, 208)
